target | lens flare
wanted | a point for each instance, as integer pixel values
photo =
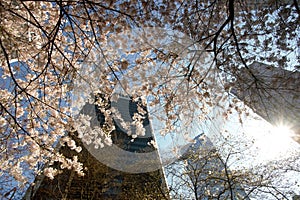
(276, 141)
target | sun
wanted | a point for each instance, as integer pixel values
(282, 131)
(281, 135)
(277, 141)
(272, 141)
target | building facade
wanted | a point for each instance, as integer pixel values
(101, 181)
(202, 174)
(273, 93)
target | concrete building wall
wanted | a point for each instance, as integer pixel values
(273, 93)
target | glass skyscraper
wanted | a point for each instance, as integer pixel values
(101, 181)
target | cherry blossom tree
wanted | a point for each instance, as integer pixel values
(46, 45)
(203, 173)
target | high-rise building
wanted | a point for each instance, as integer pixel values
(204, 174)
(273, 93)
(101, 181)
